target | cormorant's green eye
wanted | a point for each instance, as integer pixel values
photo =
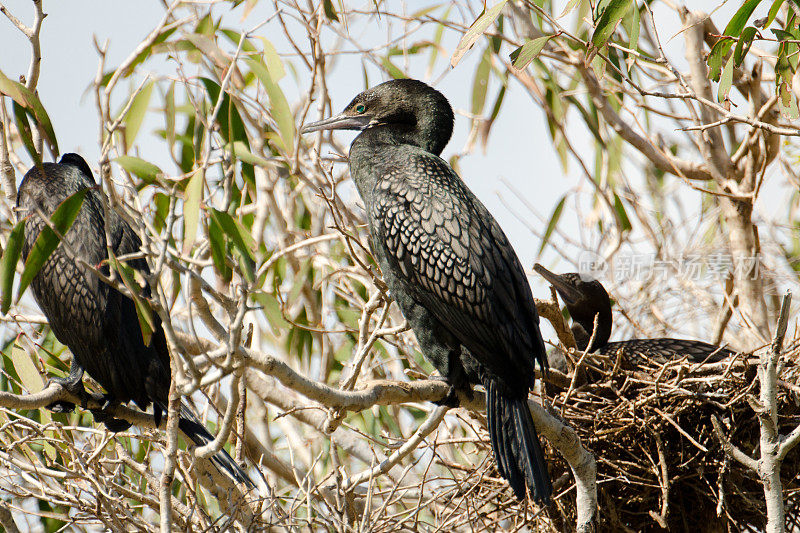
(360, 108)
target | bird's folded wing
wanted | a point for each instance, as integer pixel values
(454, 258)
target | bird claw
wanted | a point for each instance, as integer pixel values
(114, 425)
(61, 406)
(73, 387)
(451, 400)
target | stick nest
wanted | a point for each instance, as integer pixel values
(660, 462)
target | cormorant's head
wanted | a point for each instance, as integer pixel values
(584, 299)
(411, 108)
(78, 162)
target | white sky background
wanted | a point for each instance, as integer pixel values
(519, 151)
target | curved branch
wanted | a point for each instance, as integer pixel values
(427, 427)
(561, 436)
(660, 158)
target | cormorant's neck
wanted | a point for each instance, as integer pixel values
(583, 326)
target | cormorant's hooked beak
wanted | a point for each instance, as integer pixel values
(339, 122)
(568, 293)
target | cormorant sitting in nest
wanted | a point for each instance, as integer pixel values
(586, 299)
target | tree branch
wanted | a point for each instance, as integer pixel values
(769, 466)
(427, 427)
(731, 449)
(660, 158)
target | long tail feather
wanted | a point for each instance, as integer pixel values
(516, 445)
(196, 431)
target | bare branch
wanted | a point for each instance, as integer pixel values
(731, 449)
(425, 429)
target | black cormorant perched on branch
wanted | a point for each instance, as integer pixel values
(586, 298)
(97, 322)
(448, 265)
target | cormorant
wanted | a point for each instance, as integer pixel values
(587, 298)
(448, 265)
(98, 323)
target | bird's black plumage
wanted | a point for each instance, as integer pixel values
(586, 298)
(448, 265)
(98, 323)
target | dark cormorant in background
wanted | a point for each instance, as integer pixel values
(448, 265)
(97, 322)
(586, 299)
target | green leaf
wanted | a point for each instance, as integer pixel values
(501, 94)
(392, 69)
(734, 28)
(744, 44)
(330, 11)
(725, 81)
(218, 246)
(740, 18)
(623, 215)
(773, 11)
(481, 83)
(25, 133)
(589, 119)
(161, 202)
(8, 263)
(529, 51)
(551, 225)
(571, 5)
(612, 14)
(496, 40)
(140, 168)
(633, 26)
(236, 37)
(788, 104)
(48, 240)
(425, 10)
(782, 35)
(28, 99)
(437, 40)
(207, 46)
(144, 54)
(476, 30)
(231, 126)
(239, 150)
(278, 106)
(716, 58)
(135, 115)
(191, 209)
(169, 115)
(143, 311)
(273, 61)
(235, 231)
(26, 369)
(240, 237)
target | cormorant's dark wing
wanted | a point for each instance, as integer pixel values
(151, 362)
(453, 257)
(126, 241)
(662, 350)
